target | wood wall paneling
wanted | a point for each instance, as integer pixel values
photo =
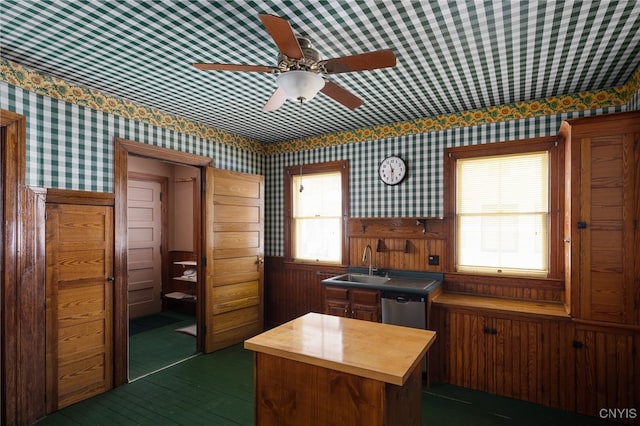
(398, 243)
(22, 281)
(293, 290)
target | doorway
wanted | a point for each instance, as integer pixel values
(228, 252)
(162, 286)
(142, 161)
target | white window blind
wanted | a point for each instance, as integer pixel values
(502, 214)
(317, 217)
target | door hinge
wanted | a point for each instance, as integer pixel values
(203, 261)
(582, 225)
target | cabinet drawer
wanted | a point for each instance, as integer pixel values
(367, 297)
(339, 293)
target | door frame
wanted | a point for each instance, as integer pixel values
(122, 149)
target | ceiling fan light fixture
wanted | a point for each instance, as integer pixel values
(300, 85)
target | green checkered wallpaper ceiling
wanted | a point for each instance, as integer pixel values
(452, 56)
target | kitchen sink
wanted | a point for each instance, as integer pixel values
(408, 283)
(361, 278)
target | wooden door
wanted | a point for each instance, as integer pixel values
(79, 307)
(144, 265)
(233, 291)
(607, 228)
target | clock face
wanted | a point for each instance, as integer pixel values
(392, 170)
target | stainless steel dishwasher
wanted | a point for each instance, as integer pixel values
(406, 309)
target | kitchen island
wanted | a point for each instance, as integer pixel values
(326, 370)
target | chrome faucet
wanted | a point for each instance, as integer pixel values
(370, 258)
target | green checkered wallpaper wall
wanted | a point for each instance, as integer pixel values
(71, 147)
(420, 195)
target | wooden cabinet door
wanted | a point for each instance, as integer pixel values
(233, 293)
(360, 304)
(515, 357)
(607, 370)
(498, 354)
(607, 210)
(336, 301)
(365, 304)
(602, 212)
(466, 344)
(79, 302)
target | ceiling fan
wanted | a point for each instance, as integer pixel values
(301, 69)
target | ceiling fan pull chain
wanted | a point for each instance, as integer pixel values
(300, 123)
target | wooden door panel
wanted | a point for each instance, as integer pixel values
(232, 297)
(79, 292)
(81, 337)
(238, 185)
(237, 213)
(78, 303)
(248, 240)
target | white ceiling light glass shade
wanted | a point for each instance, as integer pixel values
(300, 85)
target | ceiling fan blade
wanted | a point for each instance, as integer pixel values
(235, 67)
(361, 62)
(341, 95)
(281, 32)
(275, 101)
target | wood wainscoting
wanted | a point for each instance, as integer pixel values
(22, 277)
(293, 289)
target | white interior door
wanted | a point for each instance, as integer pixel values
(144, 210)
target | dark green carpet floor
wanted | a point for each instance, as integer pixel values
(217, 389)
(155, 344)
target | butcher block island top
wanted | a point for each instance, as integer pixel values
(323, 370)
(383, 352)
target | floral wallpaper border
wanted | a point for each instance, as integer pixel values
(56, 88)
(605, 98)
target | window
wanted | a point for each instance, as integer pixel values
(504, 208)
(316, 208)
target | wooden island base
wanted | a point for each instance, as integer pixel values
(294, 393)
(325, 370)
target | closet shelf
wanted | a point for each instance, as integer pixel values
(186, 263)
(191, 279)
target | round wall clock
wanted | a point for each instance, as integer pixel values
(392, 170)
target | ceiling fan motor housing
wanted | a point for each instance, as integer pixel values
(308, 63)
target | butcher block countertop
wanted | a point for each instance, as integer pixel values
(383, 352)
(508, 306)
